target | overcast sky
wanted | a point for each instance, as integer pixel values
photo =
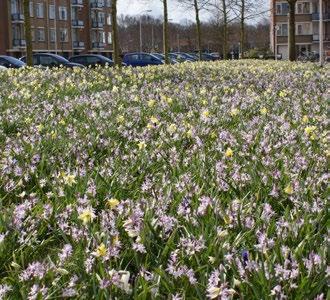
(176, 13)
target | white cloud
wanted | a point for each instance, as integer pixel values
(176, 12)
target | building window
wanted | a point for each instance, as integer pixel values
(63, 35)
(75, 36)
(31, 9)
(282, 8)
(74, 14)
(52, 12)
(52, 35)
(33, 34)
(282, 29)
(40, 34)
(40, 10)
(109, 19)
(63, 13)
(17, 32)
(108, 3)
(102, 37)
(14, 6)
(303, 29)
(109, 38)
(101, 17)
(303, 8)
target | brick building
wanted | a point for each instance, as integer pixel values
(307, 26)
(65, 27)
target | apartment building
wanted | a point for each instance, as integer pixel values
(307, 26)
(65, 27)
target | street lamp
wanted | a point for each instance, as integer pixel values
(142, 12)
(276, 29)
(321, 32)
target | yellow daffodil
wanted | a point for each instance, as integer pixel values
(101, 250)
(40, 127)
(229, 152)
(172, 128)
(169, 100)
(205, 113)
(112, 203)
(69, 179)
(310, 129)
(310, 132)
(263, 111)
(142, 145)
(87, 216)
(151, 103)
(120, 119)
(234, 112)
(288, 189)
(154, 120)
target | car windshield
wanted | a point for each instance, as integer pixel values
(158, 55)
(15, 61)
(106, 59)
(60, 59)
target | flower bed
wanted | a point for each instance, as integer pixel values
(177, 182)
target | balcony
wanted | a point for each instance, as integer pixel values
(77, 3)
(19, 43)
(17, 18)
(316, 17)
(78, 45)
(97, 4)
(316, 38)
(98, 45)
(77, 24)
(97, 25)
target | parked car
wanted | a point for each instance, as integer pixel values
(92, 60)
(51, 60)
(161, 56)
(11, 62)
(205, 56)
(208, 56)
(216, 55)
(141, 59)
(183, 57)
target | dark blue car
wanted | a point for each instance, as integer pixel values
(141, 59)
(10, 62)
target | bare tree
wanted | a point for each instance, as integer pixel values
(222, 11)
(28, 35)
(197, 5)
(116, 55)
(247, 9)
(165, 33)
(292, 30)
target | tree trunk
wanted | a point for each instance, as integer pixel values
(292, 30)
(198, 30)
(225, 30)
(165, 33)
(242, 29)
(115, 40)
(28, 35)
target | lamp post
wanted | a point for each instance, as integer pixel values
(144, 11)
(276, 28)
(321, 32)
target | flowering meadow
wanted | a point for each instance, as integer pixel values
(191, 181)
